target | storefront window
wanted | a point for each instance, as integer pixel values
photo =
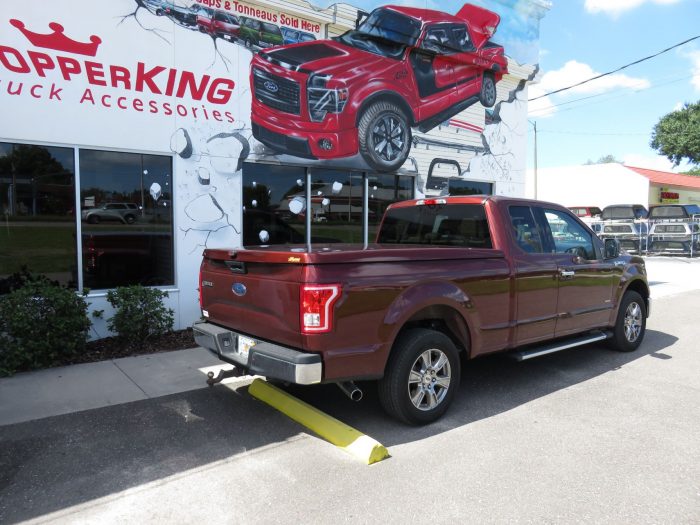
(470, 187)
(274, 199)
(126, 213)
(37, 201)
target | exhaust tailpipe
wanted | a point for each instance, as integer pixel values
(351, 390)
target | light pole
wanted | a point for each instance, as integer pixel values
(534, 125)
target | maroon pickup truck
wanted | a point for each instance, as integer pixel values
(449, 276)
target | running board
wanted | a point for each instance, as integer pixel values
(592, 337)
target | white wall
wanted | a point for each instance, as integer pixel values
(591, 185)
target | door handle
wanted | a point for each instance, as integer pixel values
(567, 273)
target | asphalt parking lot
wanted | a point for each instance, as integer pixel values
(585, 435)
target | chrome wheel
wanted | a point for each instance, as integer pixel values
(389, 138)
(429, 379)
(633, 322)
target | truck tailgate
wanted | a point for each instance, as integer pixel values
(252, 296)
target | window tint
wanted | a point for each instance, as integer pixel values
(274, 199)
(460, 39)
(569, 236)
(524, 228)
(126, 212)
(37, 202)
(447, 225)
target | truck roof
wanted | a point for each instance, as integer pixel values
(469, 199)
(426, 16)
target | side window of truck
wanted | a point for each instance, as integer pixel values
(524, 229)
(568, 236)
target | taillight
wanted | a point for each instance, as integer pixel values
(317, 302)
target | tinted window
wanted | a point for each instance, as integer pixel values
(271, 28)
(37, 202)
(469, 187)
(391, 26)
(126, 211)
(524, 229)
(569, 236)
(618, 212)
(441, 225)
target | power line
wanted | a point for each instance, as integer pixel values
(615, 70)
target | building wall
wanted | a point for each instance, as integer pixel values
(591, 185)
(685, 195)
(56, 92)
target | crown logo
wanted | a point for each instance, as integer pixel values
(58, 41)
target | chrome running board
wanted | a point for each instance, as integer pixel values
(591, 337)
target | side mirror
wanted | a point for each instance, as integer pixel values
(612, 248)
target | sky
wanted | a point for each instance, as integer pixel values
(614, 115)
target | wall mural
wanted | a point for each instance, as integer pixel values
(436, 93)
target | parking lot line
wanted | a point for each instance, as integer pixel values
(338, 433)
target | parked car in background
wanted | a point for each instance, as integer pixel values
(204, 17)
(124, 212)
(675, 228)
(223, 25)
(294, 36)
(261, 34)
(616, 212)
(586, 212)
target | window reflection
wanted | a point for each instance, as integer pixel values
(126, 213)
(274, 199)
(37, 196)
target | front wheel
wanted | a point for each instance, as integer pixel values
(421, 378)
(631, 323)
(384, 135)
(487, 97)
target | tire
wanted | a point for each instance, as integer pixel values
(487, 96)
(384, 135)
(631, 323)
(130, 219)
(415, 393)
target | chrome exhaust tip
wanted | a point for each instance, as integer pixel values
(351, 390)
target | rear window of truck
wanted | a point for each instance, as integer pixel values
(443, 225)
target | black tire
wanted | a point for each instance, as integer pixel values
(631, 323)
(384, 135)
(487, 96)
(130, 219)
(415, 393)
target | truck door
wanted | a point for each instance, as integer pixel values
(585, 280)
(468, 65)
(535, 271)
(433, 69)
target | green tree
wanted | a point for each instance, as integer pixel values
(677, 135)
(605, 159)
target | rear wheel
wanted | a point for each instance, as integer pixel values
(487, 97)
(630, 327)
(421, 378)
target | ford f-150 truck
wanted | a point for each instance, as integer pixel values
(446, 277)
(363, 91)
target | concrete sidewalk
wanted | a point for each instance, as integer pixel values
(55, 391)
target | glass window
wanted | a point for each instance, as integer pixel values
(524, 229)
(446, 225)
(126, 212)
(274, 199)
(569, 236)
(469, 187)
(37, 201)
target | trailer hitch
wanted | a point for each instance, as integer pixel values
(224, 374)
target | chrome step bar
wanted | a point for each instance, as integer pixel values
(591, 337)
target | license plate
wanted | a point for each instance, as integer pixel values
(244, 345)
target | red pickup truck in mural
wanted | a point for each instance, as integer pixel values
(448, 277)
(363, 91)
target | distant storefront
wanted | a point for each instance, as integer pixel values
(134, 134)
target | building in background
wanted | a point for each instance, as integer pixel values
(605, 184)
(135, 134)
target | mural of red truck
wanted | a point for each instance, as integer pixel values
(401, 68)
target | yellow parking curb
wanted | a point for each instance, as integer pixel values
(329, 428)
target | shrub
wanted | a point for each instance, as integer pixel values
(41, 324)
(139, 314)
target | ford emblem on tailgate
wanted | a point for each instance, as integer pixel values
(271, 86)
(239, 289)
